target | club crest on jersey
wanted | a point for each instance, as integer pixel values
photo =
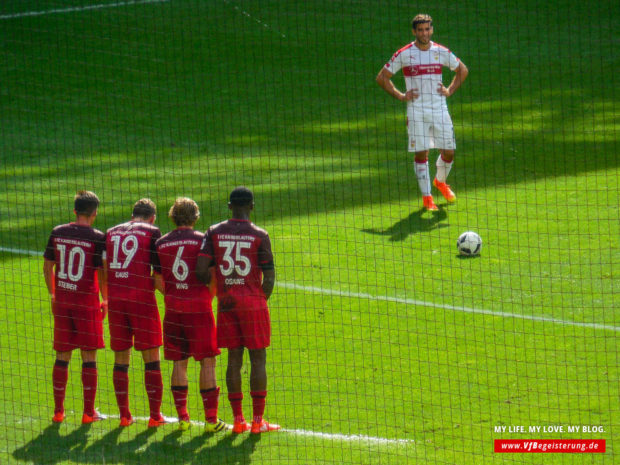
(436, 56)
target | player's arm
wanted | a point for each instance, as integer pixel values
(102, 276)
(269, 280)
(156, 276)
(203, 269)
(384, 79)
(213, 282)
(48, 273)
(158, 282)
(460, 74)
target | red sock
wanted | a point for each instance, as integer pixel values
(236, 402)
(258, 405)
(120, 379)
(89, 383)
(154, 388)
(180, 401)
(60, 374)
(210, 399)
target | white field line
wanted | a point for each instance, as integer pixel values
(98, 6)
(301, 432)
(400, 300)
(294, 432)
(248, 15)
(454, 308)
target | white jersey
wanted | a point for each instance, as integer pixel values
(422, 71)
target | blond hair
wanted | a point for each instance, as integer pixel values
(184, 212)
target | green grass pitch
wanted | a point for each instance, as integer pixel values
(388, 348)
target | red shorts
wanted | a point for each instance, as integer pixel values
(247, 324)
(134, 323)
(78, 326)
(189, 335)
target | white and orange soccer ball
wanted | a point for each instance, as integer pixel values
(469, 244)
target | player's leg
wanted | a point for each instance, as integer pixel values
(89, 383)
(420, 142)
(210, 393)
(120, 380)
(444, 131)
(154, 385)
(422, 172)
(60, 375)
(144, 318)
(229, 337)
(257, 337)
(121, 342)
(233, 384)
(176, 350)
(88, 321)
(424, 180)
(64, 343)
(258, 383)
(258, 391)
(202, 335)
(444, 165)
(179, 392)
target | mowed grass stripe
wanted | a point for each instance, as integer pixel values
(401, 300)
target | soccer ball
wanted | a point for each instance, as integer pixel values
(469, 244)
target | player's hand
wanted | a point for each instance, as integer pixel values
(104, 309)
(53, 301)
(410, 95)
(443, 90)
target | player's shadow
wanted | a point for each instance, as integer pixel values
(110, 446)
(51, 447)
(418, 221)
(229, 449)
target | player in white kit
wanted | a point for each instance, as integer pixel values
(428, 122)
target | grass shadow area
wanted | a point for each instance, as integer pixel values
(52, 447)
(414, 223)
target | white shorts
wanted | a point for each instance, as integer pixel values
(430, 129)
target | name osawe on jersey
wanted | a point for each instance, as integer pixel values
(241, 250)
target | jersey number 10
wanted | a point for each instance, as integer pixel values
(66, 265)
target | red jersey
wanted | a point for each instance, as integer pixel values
(240, 250)
(130, 254)
(177, 253)
(77, 251)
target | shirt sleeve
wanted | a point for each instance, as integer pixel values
(99, 251)
(452, 61)
(104, 254)
(265, 256)
(156, 263)
(206, 248)
(49, 249)
(395, 63)
(153, 251)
